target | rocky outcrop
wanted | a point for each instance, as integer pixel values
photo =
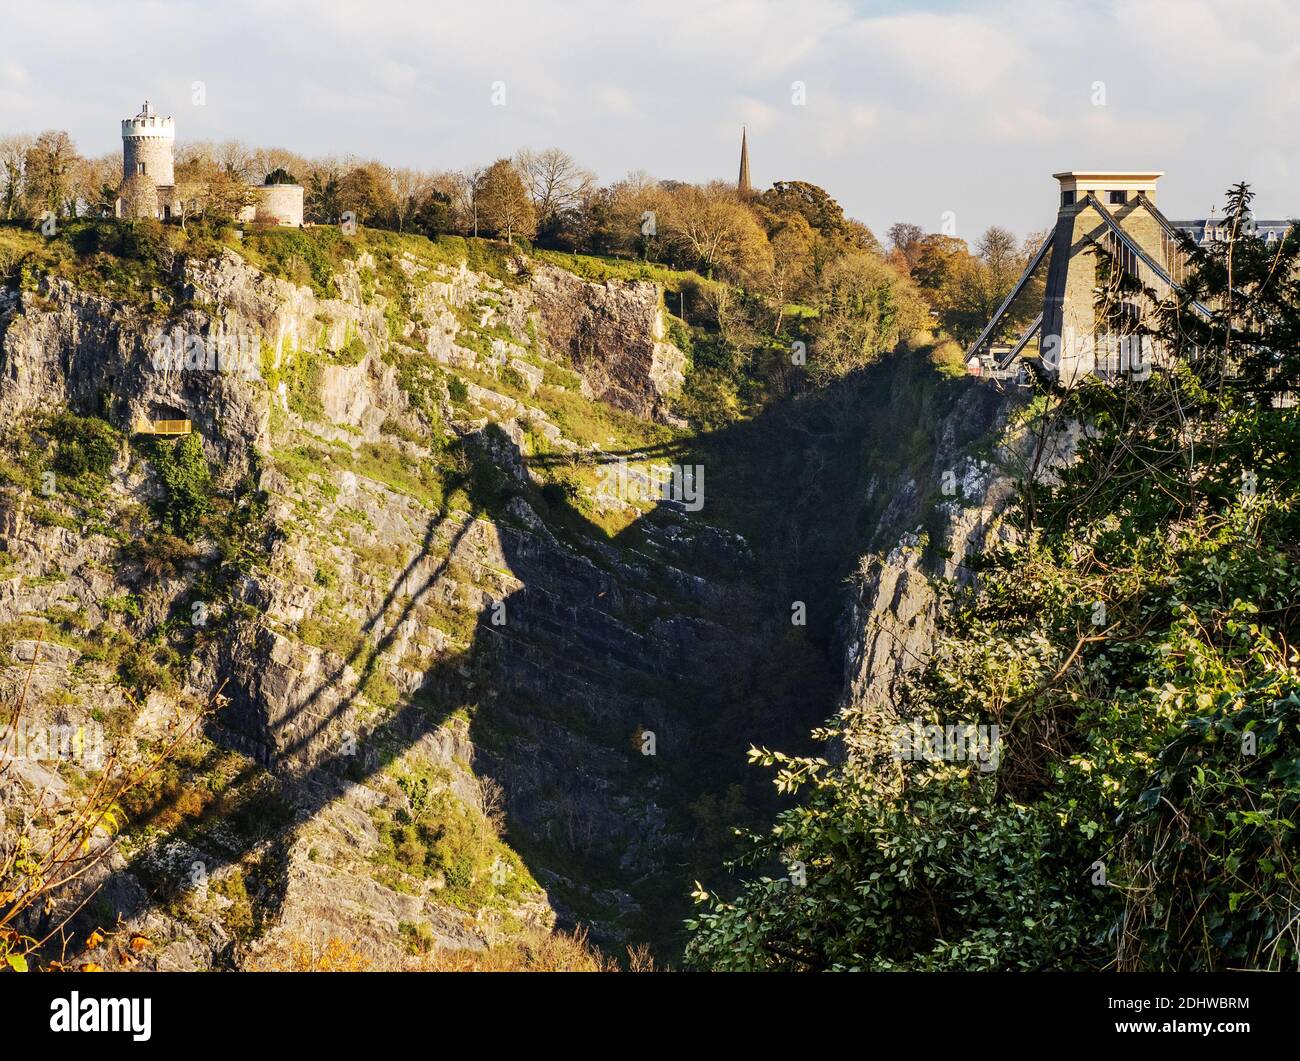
(614, 335)
(924, 539)
(360, 641)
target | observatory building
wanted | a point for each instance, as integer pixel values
(148, 187)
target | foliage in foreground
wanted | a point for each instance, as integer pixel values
(41, 868)
(1135, 651)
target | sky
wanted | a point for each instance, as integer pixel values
(955, 110)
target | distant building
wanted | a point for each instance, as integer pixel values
(148, 187)
(1211, 229)
(148, 147)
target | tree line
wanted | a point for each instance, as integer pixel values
(780, 266)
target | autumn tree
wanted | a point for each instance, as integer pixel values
(409, 187)
(865, 308)
(932, 261)
(834, 234)
(625, 217)
(809, 201)
(51, 162)
(206, 188)
(503, 203)
(366, 190)
(95, 181)
(969, 288)
(712, 229)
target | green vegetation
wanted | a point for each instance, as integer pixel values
(187, 478)
(1134, 650)
(85, 445)
(130, 261)
(598, 268)
(437, 836)
(420, 478)
(307, 257)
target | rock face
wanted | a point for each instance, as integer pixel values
(65, 346)
(614, 334)
(890, 626)
(351, 643)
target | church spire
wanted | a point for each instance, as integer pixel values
(742, 185)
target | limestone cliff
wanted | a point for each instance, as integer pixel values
(953, 509)
(394, 639)
(614, 334)
(468, 671)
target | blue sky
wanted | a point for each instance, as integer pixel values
(911, 110)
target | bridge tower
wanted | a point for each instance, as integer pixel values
(1100, 212)
(1093, 205)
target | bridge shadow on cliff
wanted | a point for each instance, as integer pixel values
(598, 647)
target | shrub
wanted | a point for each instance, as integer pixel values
(86, 444)
(185, 473)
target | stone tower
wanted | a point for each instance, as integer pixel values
(147, 146)
(742, 184)
(1116, 210)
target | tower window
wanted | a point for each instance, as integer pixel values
(139, 167)
(1067, 198)
(1118, 198)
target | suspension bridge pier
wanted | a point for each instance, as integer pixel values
(1101, 212)
(1098, 209)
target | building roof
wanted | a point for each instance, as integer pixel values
(1109, 174)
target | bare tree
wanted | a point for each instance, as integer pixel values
(235, 157)
(469, 184)
(269, 159)
(410, 186)
(195, 151)
(555, 181)
(95, 182)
